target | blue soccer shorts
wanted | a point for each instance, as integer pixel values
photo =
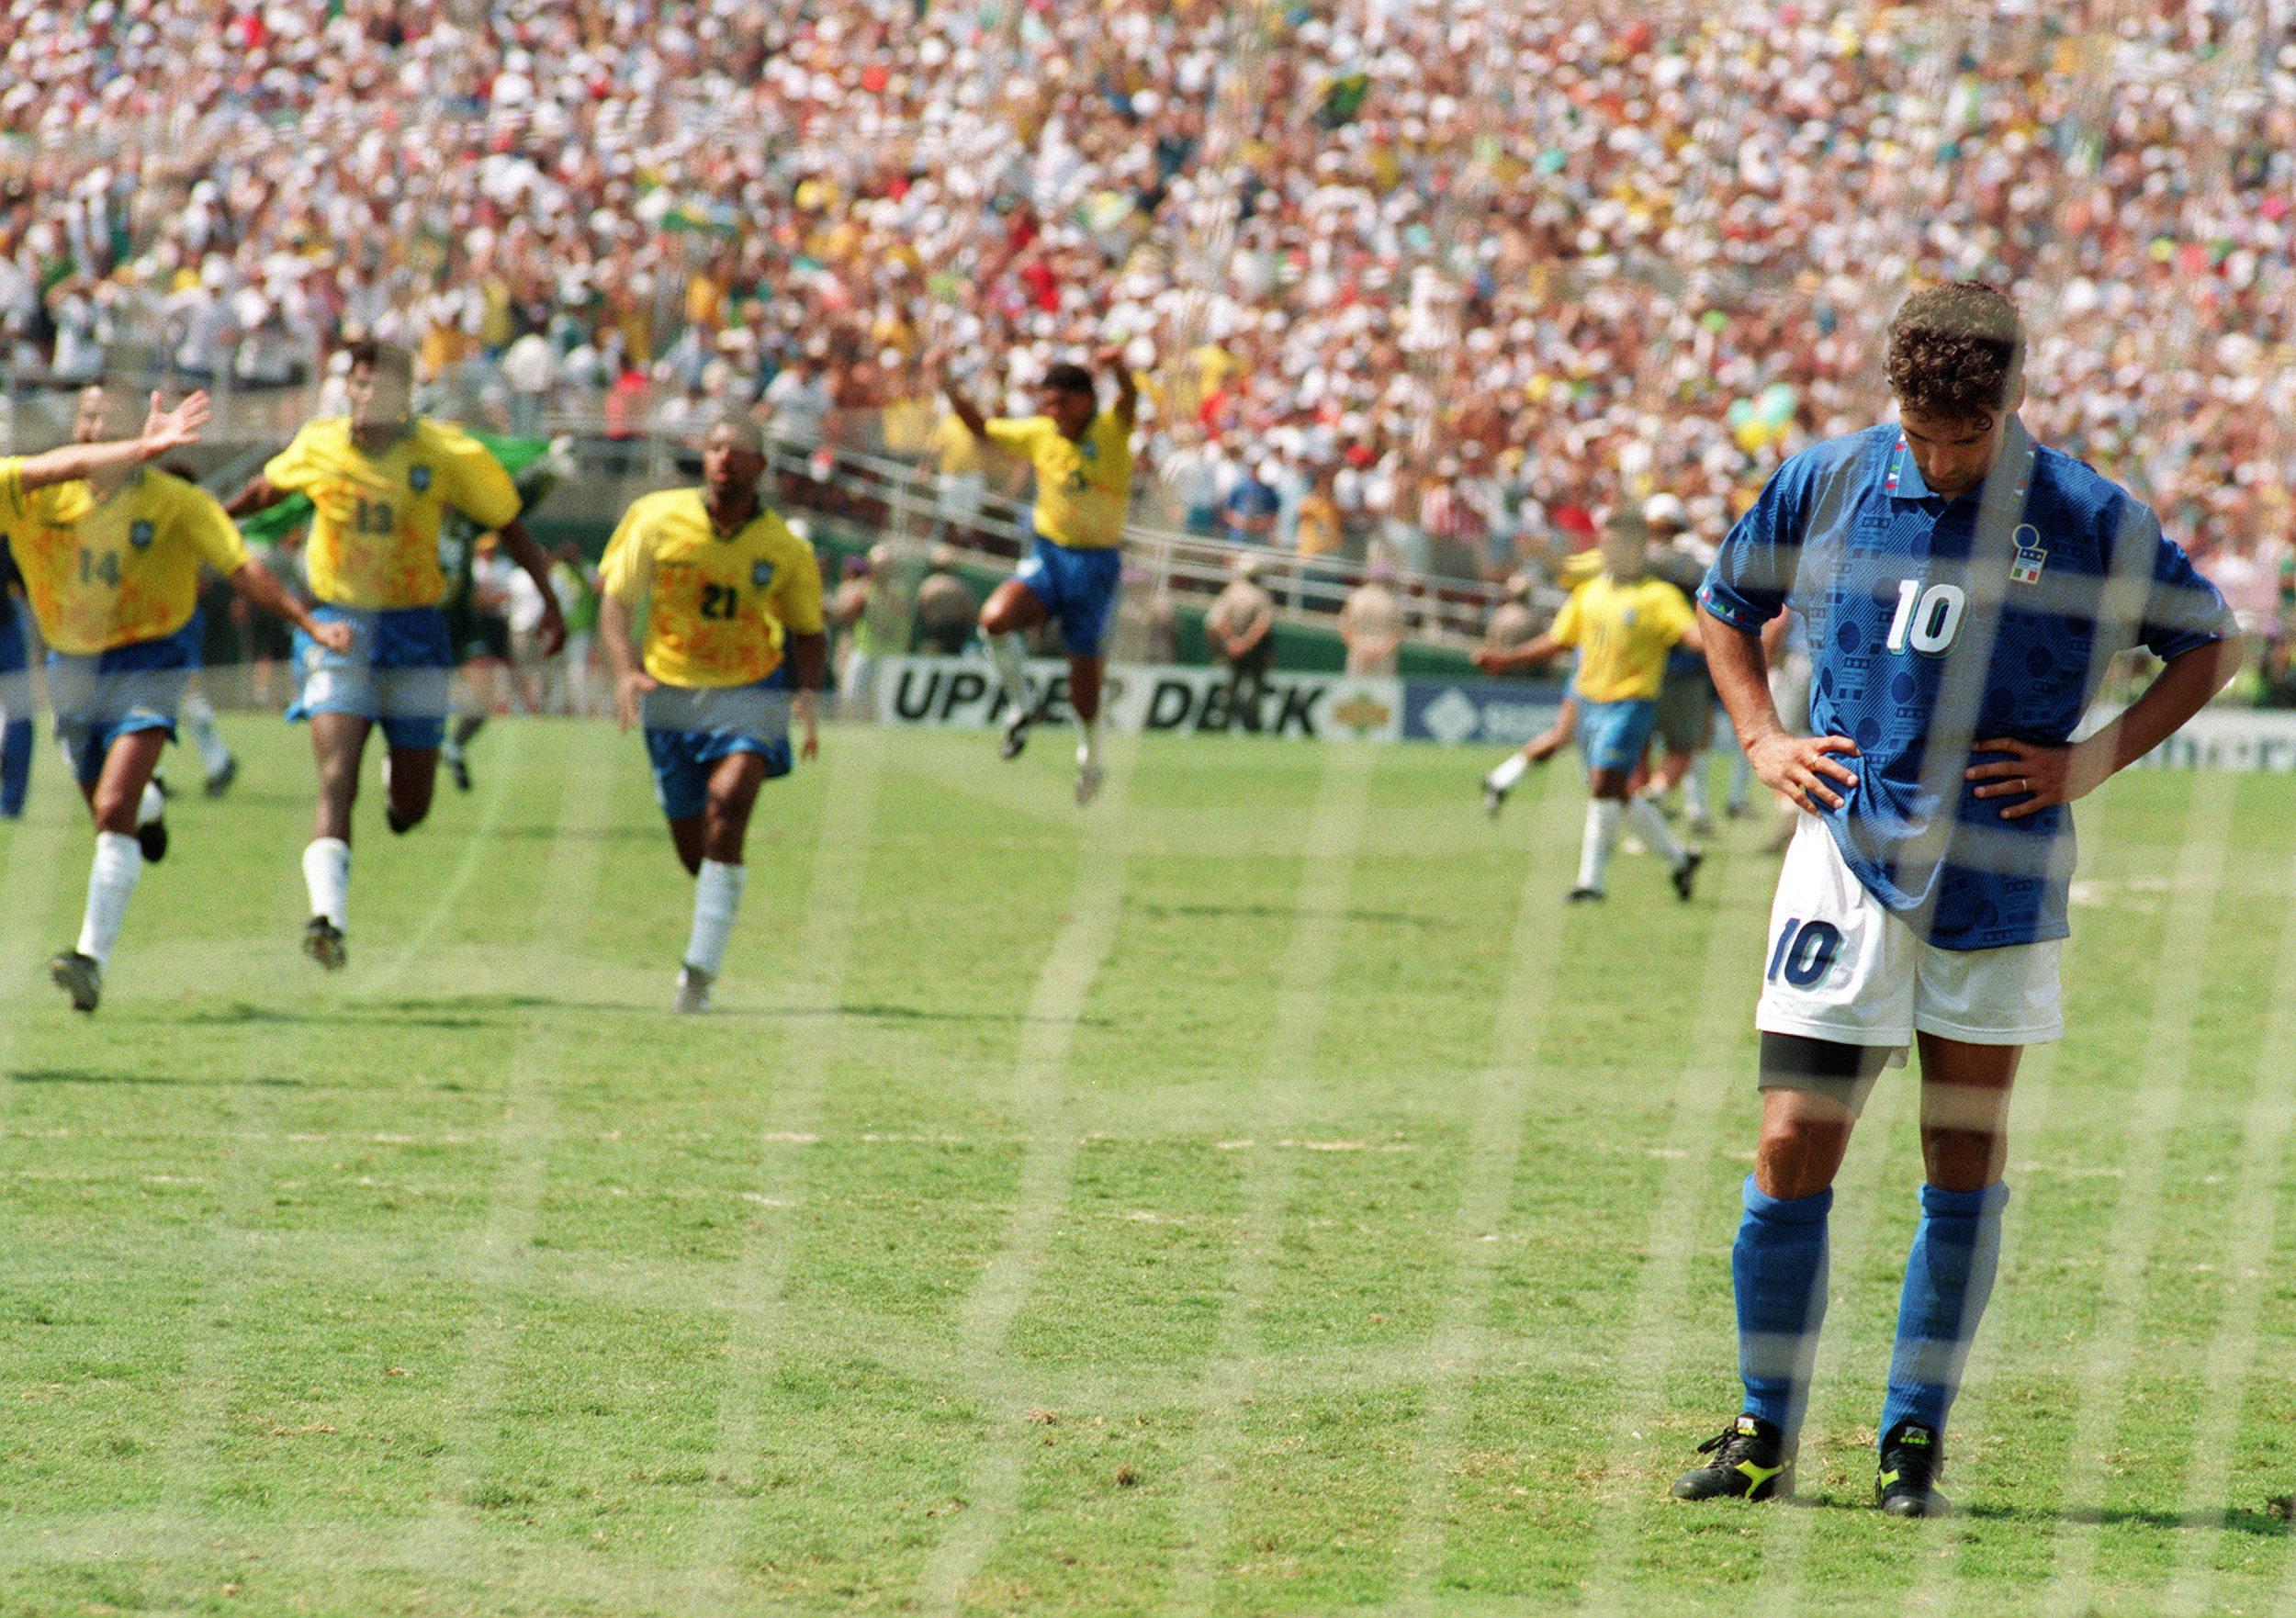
(690, 728)
(1077, 587)
(400, 672)
(101, 698)
(1613, 735)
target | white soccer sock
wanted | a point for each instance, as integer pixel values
(1694, 787)
(1657, 836)
(198, 715)
(1010, 654)
(1507, 771)
(1597, 840)
(111, 877)
(327, 873)
(1088, 749)
(152, 805)
(716, 901)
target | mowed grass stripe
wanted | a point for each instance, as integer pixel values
(1036, 1096)
(1203, 1510)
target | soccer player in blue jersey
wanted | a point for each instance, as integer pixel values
(1964, 590)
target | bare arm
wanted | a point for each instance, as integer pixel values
(257, 494)
(267, 592)
(162, 430)
(966, 410)
(809, 661)
(530, 558)
(1531, 653)
(1800, 767)
(1127, 390)
(2037, 776)
(630, 683)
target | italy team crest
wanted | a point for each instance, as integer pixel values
(2030, 557)
(139, 534)
(418, 479)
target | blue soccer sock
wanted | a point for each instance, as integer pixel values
(16, 765)
(1778, 1270)
(1949, 1276)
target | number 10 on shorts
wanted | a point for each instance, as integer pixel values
(1805, 952)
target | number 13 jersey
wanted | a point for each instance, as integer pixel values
(1936, 624)
(719, 608)
(373, 542)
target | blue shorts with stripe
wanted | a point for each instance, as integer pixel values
(136, 687)
(690, 728)
(1077, 587)
(1613, 735)
(400, 672)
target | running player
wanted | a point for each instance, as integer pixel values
(1083, 458)
(380, 482)
(1964, 590)
(734, 642)
(110, 550)
(1624, 622)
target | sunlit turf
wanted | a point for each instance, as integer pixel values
(1256, 1192)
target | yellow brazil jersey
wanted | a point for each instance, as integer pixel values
(1082, 485)
(1623, 633)
(374, 541)
(106, 573)
(719, 610)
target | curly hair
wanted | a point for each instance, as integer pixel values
(1956, 350)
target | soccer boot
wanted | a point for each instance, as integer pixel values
(1687, 872)
(457, 767)
(216, 785)
(1586, 895)
(151, 837)
(1749, 1462)
(1016, 736)
(78, 976)
(693, 989)
(1088, 780)
(1494, 797)
(323, 941)
(1912, 1457)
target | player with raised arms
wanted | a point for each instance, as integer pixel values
(110, 550)
(734, 642)
(381, 482)
(1964, 590)
(1083, 459)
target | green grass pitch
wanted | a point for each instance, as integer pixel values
(1257, 1193)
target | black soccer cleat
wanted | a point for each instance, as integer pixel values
(216, 785)
(323, 942)
(151, 837)
(1585, 896)
(400, 825)
(1016, 736)
(1687, 872)
(1749, 1462)
(1495, 798)
(1912, 1457)
(78, 976)
(457, 767)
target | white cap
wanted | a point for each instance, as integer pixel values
(1665, 509)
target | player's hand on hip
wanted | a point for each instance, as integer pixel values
(629, 695)
(1807, 769)
(2034, 775)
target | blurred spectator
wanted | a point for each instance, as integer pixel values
(948, 612)
(1248, 514)
(1371, 622)
(1240, 625)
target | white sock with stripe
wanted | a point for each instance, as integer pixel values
(716, 901)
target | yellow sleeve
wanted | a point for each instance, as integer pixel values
(627, 570)
(1569, 626)
(1675, 616)
(476, 484)
(1017, 433)
(797, 587)
(14, 501)
(300, 464)
(210, 531)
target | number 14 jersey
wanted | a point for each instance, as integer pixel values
(116, 571)
(1936, 624)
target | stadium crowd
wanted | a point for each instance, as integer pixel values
(1461, 273)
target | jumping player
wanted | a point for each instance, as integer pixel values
(733, 604)
(110, 550)
(1083, 458)
(1624, 622)
(381, 482)
(1964, 590)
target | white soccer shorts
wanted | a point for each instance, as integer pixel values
(1838, 966)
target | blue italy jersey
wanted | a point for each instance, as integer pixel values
(1936, 624)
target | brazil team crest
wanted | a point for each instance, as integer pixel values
(418, 479)
(762, 574)
(139, 534)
